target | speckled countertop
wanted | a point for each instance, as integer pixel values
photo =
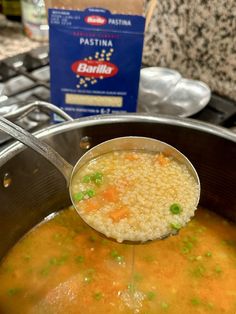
(12, 39)
(198, 38)
(195, 37)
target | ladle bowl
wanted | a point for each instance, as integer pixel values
(117, 144)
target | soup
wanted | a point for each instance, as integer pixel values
(135, 195)
(63, 266)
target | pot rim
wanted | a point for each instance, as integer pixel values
(16, 147)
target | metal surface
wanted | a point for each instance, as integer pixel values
(35, 110)
(156, 84)
(163, 91)
(35, 188)
(187, 98)
(38, 146)
(25, 78)
(43, 106)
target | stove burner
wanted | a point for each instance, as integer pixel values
(220, 111)
(25, 78)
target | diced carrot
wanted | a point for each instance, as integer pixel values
(168, 152)
(119, 213)
(92, 204)
(110, 194)
(131, 156)
(162, 159)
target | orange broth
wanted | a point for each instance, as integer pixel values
(62, 266)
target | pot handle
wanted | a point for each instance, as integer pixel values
(40, 147)
(37, 105)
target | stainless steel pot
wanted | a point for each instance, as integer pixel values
(31, 188)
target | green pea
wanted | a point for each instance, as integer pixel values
(58, 261)
(175, 209)
(208, 254)
(192, 258)
(86, 179)
(218, 270)
(151, 295)
(98, 175)
(120, 259)
(89, 275)
(45, 271)
(97, 178)
(185, 250)
(97, 296)
(53, 261)
(117, 257)
(79, 259)
(90, 193)
(88, 279)
(131, 287)
(195, 301)
(79, 196)
(98, 182)
(210, 305)
(175, 226)
(26, 257)
(190, 239)
(164, 305)
(92, 238)
(13, 291)
(114, 253)
(199, 271)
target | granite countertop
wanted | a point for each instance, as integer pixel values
(196, 37)
(12, 39)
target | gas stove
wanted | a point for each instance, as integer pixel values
(25, 78)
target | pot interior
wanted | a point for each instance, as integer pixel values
(36, 189)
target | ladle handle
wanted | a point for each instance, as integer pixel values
(40, 147)
(42, 106)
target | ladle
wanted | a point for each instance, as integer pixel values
(122, 143)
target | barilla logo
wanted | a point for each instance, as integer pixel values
(94, 68)
(95, 20)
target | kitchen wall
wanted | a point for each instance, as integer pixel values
(196, 37)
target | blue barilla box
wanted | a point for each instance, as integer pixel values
(95, 60)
